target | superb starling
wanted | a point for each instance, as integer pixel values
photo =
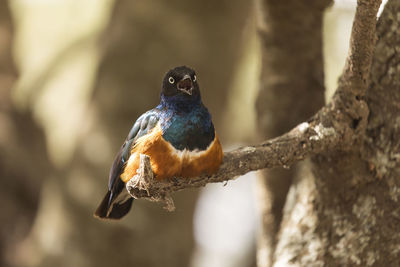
(178, 136)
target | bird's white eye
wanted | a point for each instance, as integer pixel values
(171, 80)
(194, 78)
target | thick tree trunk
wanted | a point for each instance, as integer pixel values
(292, 89)
(348, 214)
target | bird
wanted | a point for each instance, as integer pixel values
(178, 135)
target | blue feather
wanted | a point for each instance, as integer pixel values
(186, 123)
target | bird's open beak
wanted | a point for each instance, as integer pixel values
(186, 85)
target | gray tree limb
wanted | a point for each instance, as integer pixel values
(304, 140)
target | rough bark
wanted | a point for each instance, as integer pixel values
(348, 215)
(292, 89)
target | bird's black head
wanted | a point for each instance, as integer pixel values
(182, 83)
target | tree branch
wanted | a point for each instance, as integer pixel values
(334, 127)
(304, 140)
(362, 45)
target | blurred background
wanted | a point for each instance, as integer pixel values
(75, 75)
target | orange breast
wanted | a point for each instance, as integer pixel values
(167, 162)
(164, 163)
(208, 161)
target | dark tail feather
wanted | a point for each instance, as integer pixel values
(118, 209)
(102, 209)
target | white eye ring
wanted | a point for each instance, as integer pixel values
(171, 80)
(194, 78)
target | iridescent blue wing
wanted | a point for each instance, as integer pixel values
(141, 127)
(117, 202)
